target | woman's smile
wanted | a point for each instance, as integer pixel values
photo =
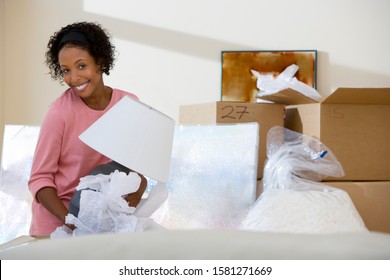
(81, 87)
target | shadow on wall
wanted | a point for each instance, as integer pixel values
(329, 77)
(171, 40)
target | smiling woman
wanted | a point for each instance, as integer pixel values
(82, 74)
(78, 54)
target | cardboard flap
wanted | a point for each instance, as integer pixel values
(367, 96)
(288, 97)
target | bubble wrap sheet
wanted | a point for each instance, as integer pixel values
(213, 176)
(15, 199)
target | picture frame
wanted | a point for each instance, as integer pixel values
(238, 82)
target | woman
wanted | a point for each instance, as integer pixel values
(78, 54)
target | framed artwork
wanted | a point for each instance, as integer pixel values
(238, 82)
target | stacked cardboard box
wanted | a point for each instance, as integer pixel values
(354, 123)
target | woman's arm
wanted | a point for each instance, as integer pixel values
(48, 197)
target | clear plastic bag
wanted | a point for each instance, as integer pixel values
(296, 161)
(293, 198)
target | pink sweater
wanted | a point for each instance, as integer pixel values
(61, 158)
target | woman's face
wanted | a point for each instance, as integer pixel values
(80, 72)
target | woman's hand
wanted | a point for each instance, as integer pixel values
(133, 199)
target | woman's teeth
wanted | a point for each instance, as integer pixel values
(81, 87)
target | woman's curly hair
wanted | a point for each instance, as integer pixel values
(99, 47)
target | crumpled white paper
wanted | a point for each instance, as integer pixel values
(104, 209)
(268, 85)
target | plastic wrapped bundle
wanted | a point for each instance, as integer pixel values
(213, 176)
(293, 200)
(102, 207)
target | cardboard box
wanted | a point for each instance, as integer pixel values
(266, 115)
(355, 125)
(372, 200)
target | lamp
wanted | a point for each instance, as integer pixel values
(136, 136)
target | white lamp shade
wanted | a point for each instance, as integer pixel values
(136, 136)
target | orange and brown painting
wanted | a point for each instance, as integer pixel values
(239, 84)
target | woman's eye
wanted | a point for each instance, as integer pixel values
(64, 71)
(82, 66)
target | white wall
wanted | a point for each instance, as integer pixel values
(169, 51)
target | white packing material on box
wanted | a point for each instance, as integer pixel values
(268, 84)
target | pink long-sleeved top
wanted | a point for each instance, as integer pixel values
(61, 158)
